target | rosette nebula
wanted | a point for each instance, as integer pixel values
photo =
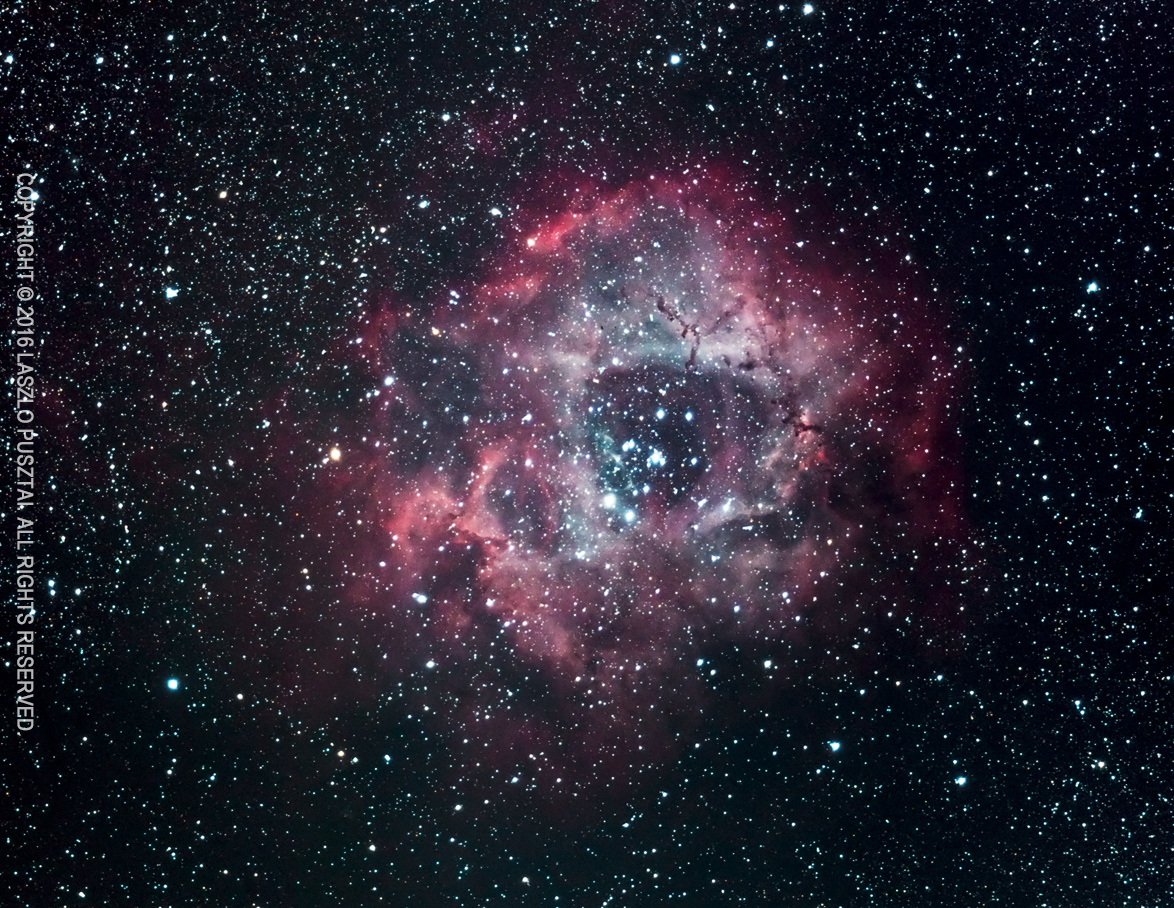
(662, 428)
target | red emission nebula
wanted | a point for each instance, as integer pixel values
(663, 427)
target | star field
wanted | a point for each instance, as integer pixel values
(598, 454)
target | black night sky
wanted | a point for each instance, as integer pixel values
(596, 454)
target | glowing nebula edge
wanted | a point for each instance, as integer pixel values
(657, 426)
